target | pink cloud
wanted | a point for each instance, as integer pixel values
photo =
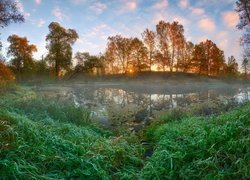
(230, 18)
(158, 17)
(131, 5)
(197, 11)
(38, 1)
(207, 24)
(161, 4)
(184, 4)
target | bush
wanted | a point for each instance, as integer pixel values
(6, 75)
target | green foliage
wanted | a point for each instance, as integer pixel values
(208, 147)
(60, 41)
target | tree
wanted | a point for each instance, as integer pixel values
(9, 13)
(163, 54)
(42, 69)
(171, 41)
(177, 42)
(243, 9)
(149, 39)
(138, 58)
(22, 53)
(198, 62)
(59, 43)
(87, 63)
(81, 58)
(207, 58)
(232, 66)
(185, 56)
(119, 51)
(245, 66)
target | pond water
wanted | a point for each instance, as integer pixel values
(117, 104)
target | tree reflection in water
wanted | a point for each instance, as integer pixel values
(113, 106)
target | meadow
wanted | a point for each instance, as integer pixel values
(43, 138)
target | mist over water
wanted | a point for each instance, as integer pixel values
(141, 103)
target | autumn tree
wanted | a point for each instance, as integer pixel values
(149, 39)
(9, 13)
(177, 42)
(198, 62)
(232, 66)
(163, 54)
(185, 56)
(208, 59)
(59, 44)
(21, 52)
(138, 57)
(171, 41)
(118, 49)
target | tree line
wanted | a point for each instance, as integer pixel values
(162, 49)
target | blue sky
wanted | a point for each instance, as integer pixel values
(95, 20)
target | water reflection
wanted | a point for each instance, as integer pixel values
(112, 105)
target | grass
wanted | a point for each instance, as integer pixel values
(43, 144)
(212, 147)
(47, 138)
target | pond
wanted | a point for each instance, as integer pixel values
(115, 104)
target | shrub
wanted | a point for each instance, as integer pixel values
(6, 75)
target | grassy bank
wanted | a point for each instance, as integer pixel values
(38, 141)
(212, 147)
(45, 138)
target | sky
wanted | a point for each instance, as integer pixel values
(96, 20)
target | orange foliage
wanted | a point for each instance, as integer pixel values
(6, 75)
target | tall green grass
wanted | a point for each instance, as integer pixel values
(43, 139)
(211, 147)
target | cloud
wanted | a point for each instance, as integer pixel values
(202, 39)
(98, 7)
(38, 1)
(161, 4)
(158, 17)
(21, 9)
(183, 21)
(77, 2)
(131, 5)
(197, 11)
(230, 18)
(207, 24)
(41, 22)
(183, 4)
(222, 38)
(59, 14)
